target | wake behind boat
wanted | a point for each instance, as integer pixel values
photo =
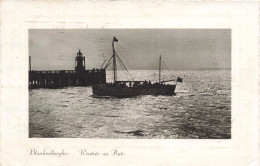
(132, 88)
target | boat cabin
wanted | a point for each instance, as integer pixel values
(134, 83)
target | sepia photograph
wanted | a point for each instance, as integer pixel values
(130, 83)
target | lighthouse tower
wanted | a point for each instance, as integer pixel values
(79, 62)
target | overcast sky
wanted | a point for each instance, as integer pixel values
(138, 48)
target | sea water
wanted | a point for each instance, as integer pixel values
(201, 108)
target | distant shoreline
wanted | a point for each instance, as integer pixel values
(141, 69)
(179, 69)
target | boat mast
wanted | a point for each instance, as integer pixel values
(114, 60)
(160, 69)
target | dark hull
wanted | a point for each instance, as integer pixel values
(108, 90)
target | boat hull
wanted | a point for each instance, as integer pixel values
(108, 90)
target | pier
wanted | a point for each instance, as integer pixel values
(63, 78)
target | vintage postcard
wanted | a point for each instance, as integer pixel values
(129, 83)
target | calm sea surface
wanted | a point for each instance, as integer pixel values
(201, 108)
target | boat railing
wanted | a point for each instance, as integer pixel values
(136, 84)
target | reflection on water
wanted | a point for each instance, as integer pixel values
(201, 108)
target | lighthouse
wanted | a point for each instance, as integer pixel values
(63, 78)
(79, 62)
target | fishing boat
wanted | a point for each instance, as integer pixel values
(132, 88)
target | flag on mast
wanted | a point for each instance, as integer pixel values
(115, 39)
(179, 79)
